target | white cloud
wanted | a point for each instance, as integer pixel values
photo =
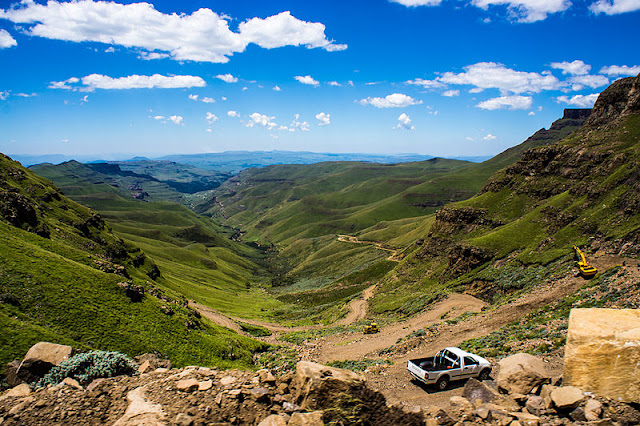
(576, 67)
(151, 56)
(208, 100)
(334, 83)
(307, 79)
(85, 98)
(451, 93)
(415, 3)
(526, 10)
(582, 101)
(159, 117)
(203, 36)
(6, 40)
(28, 95)
(615, 7)
(323, 119)
(490, 137)
(261, 120)
(176, 119)
(510, 102)
(228, 78)
(427, 84)
(296, 124)
(404, 122)
(157, 81)
(4, 95)
(193, 97)
(277, 88)
(233, 114)
(531, 113)
(395, 100)
(211, 118)
(492, 75)
(109, 49)
(64, 84)
(578, 82)
(618, 70)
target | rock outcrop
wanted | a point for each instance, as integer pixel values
(603, 352)
(40, 358)
(617, 101)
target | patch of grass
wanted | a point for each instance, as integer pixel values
(254, 330)
(359, 365)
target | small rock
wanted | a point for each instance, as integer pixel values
(18, 391)
(145, 367)
(260, 394)
(161, 370)
(282, 389)
(577, 415)
(266, 377)
(187, 385)
(206, 385)
(535, 405)
(593, 410)
(306, 419)
(482, 412)
(72, 382)
(11, 373)
(183, 419)
(566, 397)
(274, 420)
(289, 407)
(234, 393)
(227, 380)
(526, 419)
(461, 403)
(24, 403)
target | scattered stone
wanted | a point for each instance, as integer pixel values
(482, 412)
(227, 380)
(314, 382)
(183, 419)
(306, 419)
(187, 385)
(72, 382)
(24, 403)
(266, 377)
(577, 415)
(140, 411)
(145, 367)
(155, 361)
(274, 420)
(206, 385)
(566, 397)
(11, 373)
(461, 403)
(535, 405)
(17, 392)
(289, 407)
(593, 410)
(526, 419)
(260, 394)
(475, 390)
(520, 373)
(602, 352)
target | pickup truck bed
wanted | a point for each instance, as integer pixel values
(448, 365)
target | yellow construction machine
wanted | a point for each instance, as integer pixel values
(586, 270)
(371, 328)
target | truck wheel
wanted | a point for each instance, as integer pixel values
(442, 383)
(484, 375)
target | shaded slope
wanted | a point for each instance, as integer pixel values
(65, 277)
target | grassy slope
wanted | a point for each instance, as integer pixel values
(581, 187)
(54, 287)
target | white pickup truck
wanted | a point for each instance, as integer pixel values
(448, 365)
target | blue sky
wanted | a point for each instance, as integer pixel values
(438, 77)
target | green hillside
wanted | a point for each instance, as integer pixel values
(65, 277)
(520, 229)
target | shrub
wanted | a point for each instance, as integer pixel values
(88, 366)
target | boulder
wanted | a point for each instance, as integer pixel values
(274, 420)
(593, 410)
(151, 361)
(314, 383)
(17, 392)
(41, 358)
(567, 397)
(478, 392)
(535, 405)
(188, 385)
(603, 352)
(306, 419)
(521, 373)
(11, 373)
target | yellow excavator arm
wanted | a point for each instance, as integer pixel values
(586, 270)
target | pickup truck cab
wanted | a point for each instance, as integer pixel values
(448, 365)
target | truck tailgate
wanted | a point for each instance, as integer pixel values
(418, 372)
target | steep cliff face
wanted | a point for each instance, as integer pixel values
(620, 99)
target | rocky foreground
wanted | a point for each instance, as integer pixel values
(313, 395)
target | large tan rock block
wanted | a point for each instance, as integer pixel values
(603, 352)
(521, 373)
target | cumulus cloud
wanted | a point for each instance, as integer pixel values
(395, 100)
(526, 10)
(296, 124)
(211, 118)
(490, 137)
(307, 79)
(203, 36)
(334, 83)
(257, 119)
(492, 75)
(511, 102)
(619, 70)
(451, 93)
(415, 3)
(323, 119)
(228, 78)
(427, 84)
(404, 122)
(205, 99)
(615, 7)
(176, 119)
(277, 88)
(6, 40)
(576, 67)
(4, 95)
(579, 82)
(233, 114)
(582, 101)
(156, 81)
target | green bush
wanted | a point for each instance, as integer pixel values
(86, 367)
